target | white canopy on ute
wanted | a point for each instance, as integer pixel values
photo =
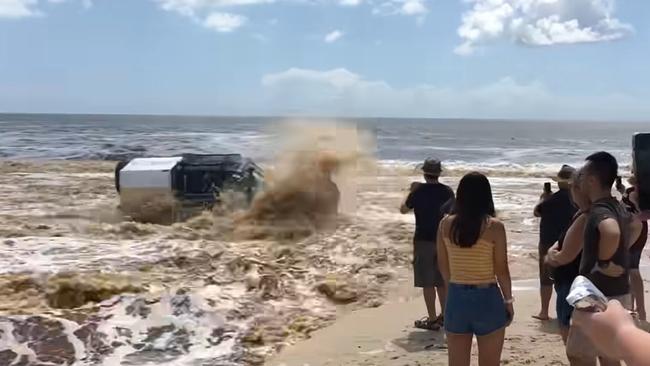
(148, 173)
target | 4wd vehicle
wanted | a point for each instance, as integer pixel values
(167, 189)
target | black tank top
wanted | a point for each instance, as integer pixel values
(568, 272)
(643, 238)
(610, 286)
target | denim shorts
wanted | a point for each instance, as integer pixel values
(562, 307)
(478, 310)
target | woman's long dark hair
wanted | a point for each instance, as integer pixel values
(474, 206)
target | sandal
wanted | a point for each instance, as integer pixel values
(426, 323)
(440, 321)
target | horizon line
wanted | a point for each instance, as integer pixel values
(317, 117)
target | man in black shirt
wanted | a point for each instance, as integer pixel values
(427, 201)
(556, 211)
(605, 256)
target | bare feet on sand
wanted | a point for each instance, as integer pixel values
(542, 317)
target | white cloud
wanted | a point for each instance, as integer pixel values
(402, 7)
(539, 22)
(18, 8)
(197, 9)
(338, 78)
(333, 36)
(224, 22)
(350, 2)
(413, 7)
(192, 7)
(202, 12)
(340, 92)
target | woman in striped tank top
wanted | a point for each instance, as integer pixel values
(473, 259)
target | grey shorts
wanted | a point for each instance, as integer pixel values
(425, 265)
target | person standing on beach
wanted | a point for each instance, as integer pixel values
(427, 201)
(564, 257)
(555, 211)
(605, 252)
(473, 259)
(638, 239)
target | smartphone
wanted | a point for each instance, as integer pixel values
(619, 181)
(641, 167)
(547, 187)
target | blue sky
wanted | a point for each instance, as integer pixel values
(533, 59)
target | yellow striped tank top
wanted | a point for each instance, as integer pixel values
(473, 265)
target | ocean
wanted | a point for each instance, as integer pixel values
(82, 285)
(525, 146)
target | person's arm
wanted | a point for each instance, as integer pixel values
(541, 204)
(407, 204)
(572, 244)
(635, 228)
(443, 257)
(614, 333)
(501, 268)
(638, 292)
(610, 235)
(448, 207)
(537, 211)
(634, 198)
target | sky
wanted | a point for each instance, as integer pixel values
(513, 59)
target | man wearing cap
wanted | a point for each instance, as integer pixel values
(555, 210)
(428, 201)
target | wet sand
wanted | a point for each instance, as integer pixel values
(73, 268)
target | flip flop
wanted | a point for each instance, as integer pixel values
(440, 321)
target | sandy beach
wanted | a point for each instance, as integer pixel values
(385, 336)
(221, 182)
(109, 291)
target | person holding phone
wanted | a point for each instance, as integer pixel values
(555, 211)
(641, 170)
(428, 201)
(473, 259)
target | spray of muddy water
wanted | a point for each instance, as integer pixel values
(223, 288)
(311, 178)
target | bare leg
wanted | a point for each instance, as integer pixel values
(490, 348)
(576, 345)
(607, 362)
(575, 361)
(545, 293)
(430, 301)
(564, 332)
(459, 349)
(637, 290)
(442, 296)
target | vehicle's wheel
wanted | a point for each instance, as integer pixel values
(120, 165)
